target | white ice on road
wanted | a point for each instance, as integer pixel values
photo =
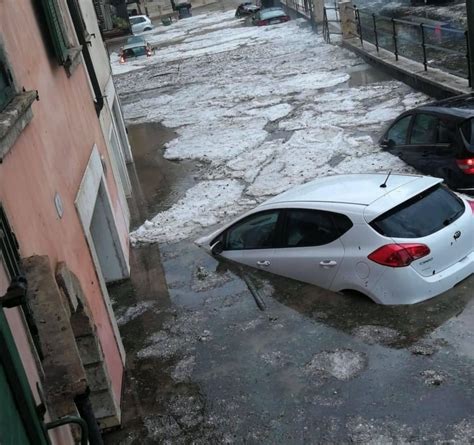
(260, 109)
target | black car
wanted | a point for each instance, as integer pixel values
(245, 9)
(438, 140)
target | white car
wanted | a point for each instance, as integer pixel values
(140, 23)
(399, 239)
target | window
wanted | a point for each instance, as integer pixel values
(7, 90)
(56, 29)
(136, 20)
(255, 232)
(306, 228)
(425, 129)
(446, 131)
(422, 215)
(135, 52)
(468, 133)
(398, 132)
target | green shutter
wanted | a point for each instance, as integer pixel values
(16, 397)
(56, 29)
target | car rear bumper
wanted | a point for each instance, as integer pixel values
(406, 286)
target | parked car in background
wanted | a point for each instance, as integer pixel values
(138, 48)
(270, 16)
(438, 140)
(399, 239)
(140, 23)
(246, 9)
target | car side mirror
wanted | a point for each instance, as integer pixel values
(387, 143)
(217, 248)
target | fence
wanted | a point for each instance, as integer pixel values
(434, 44)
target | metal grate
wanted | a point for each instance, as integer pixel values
(9, 247)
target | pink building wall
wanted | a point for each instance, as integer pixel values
(50, 156)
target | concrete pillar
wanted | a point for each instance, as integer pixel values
(318, 10)
(348, 24)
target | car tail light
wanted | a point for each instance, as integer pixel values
(399, 255)
(148, 53)
(122, 59)
(471, 203)
(466, 165)
(285, 18)
(262, 22)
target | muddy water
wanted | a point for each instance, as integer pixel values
(365, 74)
(157, 182)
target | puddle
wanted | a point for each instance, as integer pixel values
(160, 182)
(365, 74)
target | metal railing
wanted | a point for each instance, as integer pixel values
(435, 45)
(327, 31)
(303, 7)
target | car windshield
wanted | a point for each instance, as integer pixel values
(422, 215)
(135, 52)
(135, 20)
(271, 13)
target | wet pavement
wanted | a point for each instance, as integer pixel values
(219, 353)
(207, 364)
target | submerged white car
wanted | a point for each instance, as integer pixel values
(399, 239)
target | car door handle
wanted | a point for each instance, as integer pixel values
(328, 263)
(265, 263)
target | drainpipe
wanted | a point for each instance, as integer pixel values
(84, 406)
(81, 32)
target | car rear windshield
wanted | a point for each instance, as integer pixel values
(134, 52)
(271, 14)
(422, 215)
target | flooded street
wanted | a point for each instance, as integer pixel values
(220, 353)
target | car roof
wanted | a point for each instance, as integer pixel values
(141, 15)
(359, 189)
(458, 106)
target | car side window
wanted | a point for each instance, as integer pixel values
(446, 131)
(254, 232)
(424, 130)
(399, 130)
(306, 228)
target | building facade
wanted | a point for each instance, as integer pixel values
(64, 221)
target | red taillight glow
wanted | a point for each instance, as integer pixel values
(466, 165)
(399, 255)
(471, 203)
(262, 22)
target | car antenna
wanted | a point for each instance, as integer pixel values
(386, 179)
